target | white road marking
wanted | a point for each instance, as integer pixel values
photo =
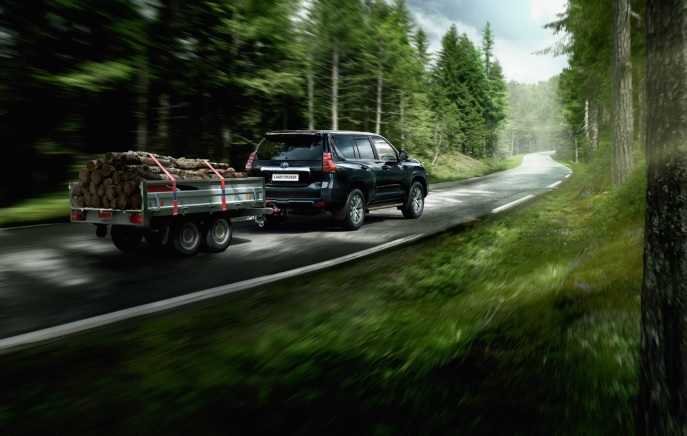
(511, 204)
(553, 185)
(37, 336)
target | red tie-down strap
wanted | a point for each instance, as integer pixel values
(174, 182)
(224, 197)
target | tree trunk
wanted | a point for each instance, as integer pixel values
(142, 132)
(163, 119)
(641, 103)
(594, 125)
(436, 152)
(621, 93)
(663, 358)
(378, 117)
(311, 94)
(335, 90)
(512, 143)
(402, 121)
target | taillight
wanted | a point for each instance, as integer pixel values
(77, 215)
(328, 163)
(136, 218)
(249, 163)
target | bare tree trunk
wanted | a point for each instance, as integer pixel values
(512, 143)
(436, 151)
(641, 102)
(142, 131)
(621, 93)
(402, 121)
(594, 125)
(586, 120)
(378, 117)
(163, 119)
(663, 356)
(577, 152)
(335, 90)
(311, 95)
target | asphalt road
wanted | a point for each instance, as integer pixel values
(57, 274)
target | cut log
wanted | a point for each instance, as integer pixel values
(100, 190)
(107, 170)
(85, 175)
(77, 189)
(95, 201)
(110, 192)
(136, 201)
(115, 177)
(121, 201)
(128, 188)
(92, 187)
(97, 176)
(91, 165)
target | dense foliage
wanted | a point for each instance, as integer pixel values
(585, 86)
(205, 79)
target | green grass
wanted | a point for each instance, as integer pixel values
(50, 208)
(526, 323)
(459, 166)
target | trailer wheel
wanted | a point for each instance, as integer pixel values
(155, 239)
(217, 234)
(187, 238)
(126, 238)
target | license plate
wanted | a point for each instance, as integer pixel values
(284, 177)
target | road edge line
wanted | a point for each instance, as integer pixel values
(13, 343)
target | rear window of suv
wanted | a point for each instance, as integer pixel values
(290, 147)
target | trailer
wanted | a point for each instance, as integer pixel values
(181, 214)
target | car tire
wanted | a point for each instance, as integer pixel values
(415, 203)
(354, 210)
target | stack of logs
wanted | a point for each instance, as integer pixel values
(113, 183)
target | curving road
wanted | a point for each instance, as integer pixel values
(63, 274)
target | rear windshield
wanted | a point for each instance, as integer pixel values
(290, 147)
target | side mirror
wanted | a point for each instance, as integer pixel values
(403, 155)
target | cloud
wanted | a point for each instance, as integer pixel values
(545, 11)
(436, 26)
(520, 64)
(517, 26)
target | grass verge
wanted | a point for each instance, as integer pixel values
(523, 324)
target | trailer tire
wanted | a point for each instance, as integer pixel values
(217, 233)
(155, 239)
(187, 238)
(126, 238)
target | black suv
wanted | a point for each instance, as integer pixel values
(342, 172)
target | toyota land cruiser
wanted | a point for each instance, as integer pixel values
(343, 172)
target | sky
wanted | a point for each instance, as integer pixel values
(517, 26)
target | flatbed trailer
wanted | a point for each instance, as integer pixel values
(183, 214)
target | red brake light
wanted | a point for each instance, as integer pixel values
(136, 218)
(78, 215)
(249, 163)
(328, 163)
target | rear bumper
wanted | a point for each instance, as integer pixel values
(303, 206)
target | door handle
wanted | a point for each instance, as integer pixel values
(365, 167)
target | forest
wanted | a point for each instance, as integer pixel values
(206, 79)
